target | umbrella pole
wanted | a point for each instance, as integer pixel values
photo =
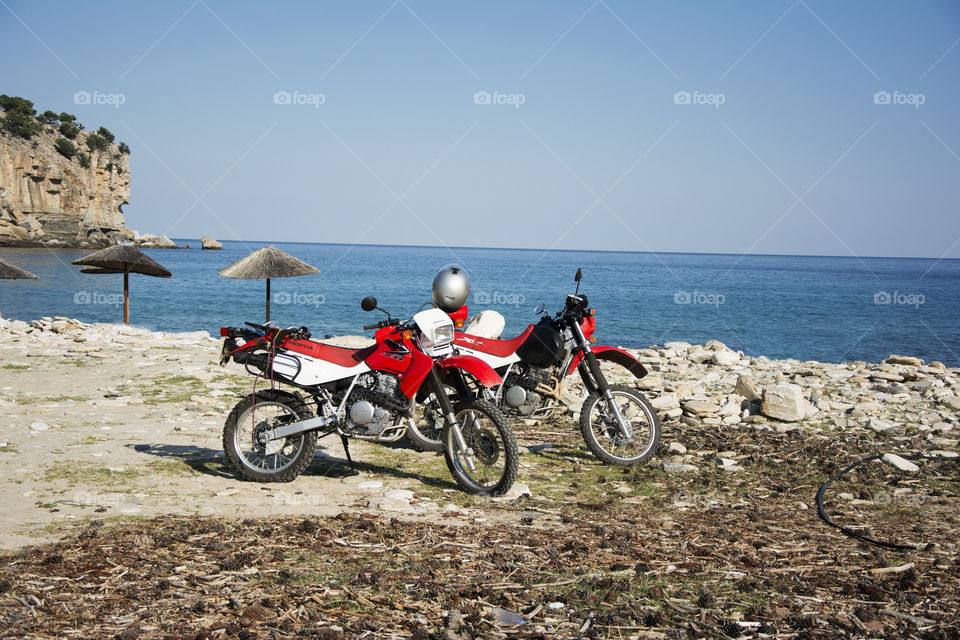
(126, 297)
(268, 299)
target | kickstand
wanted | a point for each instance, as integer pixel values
(346, 450)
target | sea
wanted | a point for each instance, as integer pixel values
(830, 309)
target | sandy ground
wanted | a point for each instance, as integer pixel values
(131, 427)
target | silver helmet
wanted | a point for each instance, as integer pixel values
(451, 288)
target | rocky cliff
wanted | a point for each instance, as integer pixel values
(47, 199)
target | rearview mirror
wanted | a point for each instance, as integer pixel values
(537, 310)
(579, 275)
(368, 304)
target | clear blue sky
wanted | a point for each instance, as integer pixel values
(798, 158)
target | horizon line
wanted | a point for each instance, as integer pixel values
(692, 253)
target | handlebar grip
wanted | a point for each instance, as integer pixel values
(371, 326)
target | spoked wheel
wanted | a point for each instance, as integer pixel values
(491, 449)
(602, 432)
(244, 437)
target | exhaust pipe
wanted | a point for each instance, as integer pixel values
(295, 428)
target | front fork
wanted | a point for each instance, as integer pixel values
(451, 419)
(593, 366)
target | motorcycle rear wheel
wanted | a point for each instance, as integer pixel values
(602, 433)
(276, 461)
(487, 432)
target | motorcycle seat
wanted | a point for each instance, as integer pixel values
(341, 356)
(492, 346)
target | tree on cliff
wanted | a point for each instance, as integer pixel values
(19, 118)
(96, 142)
(65, 147)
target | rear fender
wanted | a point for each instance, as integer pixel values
(616, 356)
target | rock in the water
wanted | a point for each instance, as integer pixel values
(784, 401)
(206, 242)
(486, 324)
(746, 388)
(900, 463)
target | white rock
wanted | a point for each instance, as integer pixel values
(700, 357)
(370, 484)
(677, 467)
(665, 402)
(725, 358)
(900, 463)
(879, 426)
(676, 447)
(39, 426)
(399, 494)
(207, 242)
(784, 401)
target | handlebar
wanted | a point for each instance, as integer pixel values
(383, 323)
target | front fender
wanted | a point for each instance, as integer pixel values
(616, 356)
(476, 367)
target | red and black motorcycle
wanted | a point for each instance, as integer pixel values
(368, 394)
(617, 422)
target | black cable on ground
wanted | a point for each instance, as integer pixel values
(821, 511)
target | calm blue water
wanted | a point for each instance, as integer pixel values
(824, 308)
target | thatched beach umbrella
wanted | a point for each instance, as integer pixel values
(123, 259)
(10, 272)
(265, 264)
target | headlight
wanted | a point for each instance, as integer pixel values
(442, 334)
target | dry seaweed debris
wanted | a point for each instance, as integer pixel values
(700, 554)
(362, 575)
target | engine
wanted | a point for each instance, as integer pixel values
(376, 406)
(521, 391)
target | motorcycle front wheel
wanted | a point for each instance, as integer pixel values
(492, 449)
(602, 433)
(254, 458)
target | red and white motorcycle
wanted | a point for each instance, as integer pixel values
(367, 394)
(617, 422)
